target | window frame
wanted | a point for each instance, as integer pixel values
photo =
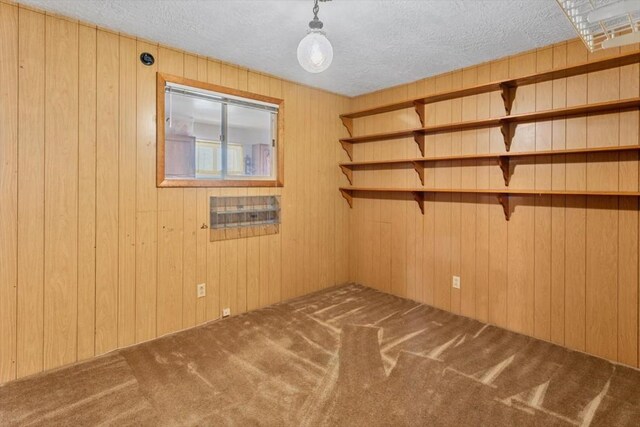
(161, 180)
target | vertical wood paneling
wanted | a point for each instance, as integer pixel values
(241, 293)
(558, 175)
(252, 249)
(95, 145)
(95, 257)
(312, 209)
(563, 269)
(213, 309)
(275, 240)
(302, 100)
(8, 188)
(601, 275)
(190, 226)
(442, 206)
(29, 352)
(202, 217)
(230, 260)
(214, 265)
(521, 237)
(482, 208)
(456, 149)
(498, 228)
(87, 116)
(601, 287)
(289, 199)
(202, 223)
(468, 220)
(127, 194)
(61, 193)
(170, 231)
(146, 197)
(628, 223)
(107, 202)
(575, 213)
(542, 215)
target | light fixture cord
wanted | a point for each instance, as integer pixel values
(316, 9)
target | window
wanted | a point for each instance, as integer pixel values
(209, 136)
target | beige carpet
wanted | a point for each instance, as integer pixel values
(345, 356)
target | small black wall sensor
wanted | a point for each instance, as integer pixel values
(147, 59)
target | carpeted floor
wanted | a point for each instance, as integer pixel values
(345, 356)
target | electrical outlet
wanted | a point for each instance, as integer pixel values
(456, 282)
(226, 312)
(202, 290)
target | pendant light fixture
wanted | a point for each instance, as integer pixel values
(315, 52)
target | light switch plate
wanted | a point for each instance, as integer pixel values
(226, 312)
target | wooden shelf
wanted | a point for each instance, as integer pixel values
(506, 123)
(508, 88)
(503, 159)
(502, 194)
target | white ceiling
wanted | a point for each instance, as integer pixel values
(377, 43)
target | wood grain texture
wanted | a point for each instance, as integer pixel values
(61, 193)
(8, 189)
(30, 302)
(564, 268)
(190, 226)
(94, 256)
(127, 193)
(538, 76)
(107, 191)
(170, 230)
(552, 295)
(87, 110)
(146, 197)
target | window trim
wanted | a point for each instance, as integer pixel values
(161, 181)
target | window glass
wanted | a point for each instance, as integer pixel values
(218, 137)
(251, 142)
(193, 128)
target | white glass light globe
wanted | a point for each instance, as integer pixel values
(315, 52)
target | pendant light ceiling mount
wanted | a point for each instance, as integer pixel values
(315, 52)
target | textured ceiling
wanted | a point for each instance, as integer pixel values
(377, 43)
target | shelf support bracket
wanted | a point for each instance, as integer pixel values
(421, 111)
(508, 95)
(348, 172)
(505, 166)
(348, 123)
(348, 148)
(419, 198)
(503, 199)
(419, 137)
(419, 167)
(348, 196)
(508, 131)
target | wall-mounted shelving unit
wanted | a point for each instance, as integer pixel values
(503, 160)
(502, 194)
(507, 125)
(506, 86)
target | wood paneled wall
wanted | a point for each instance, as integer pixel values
(93, 256)
(563, 269)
